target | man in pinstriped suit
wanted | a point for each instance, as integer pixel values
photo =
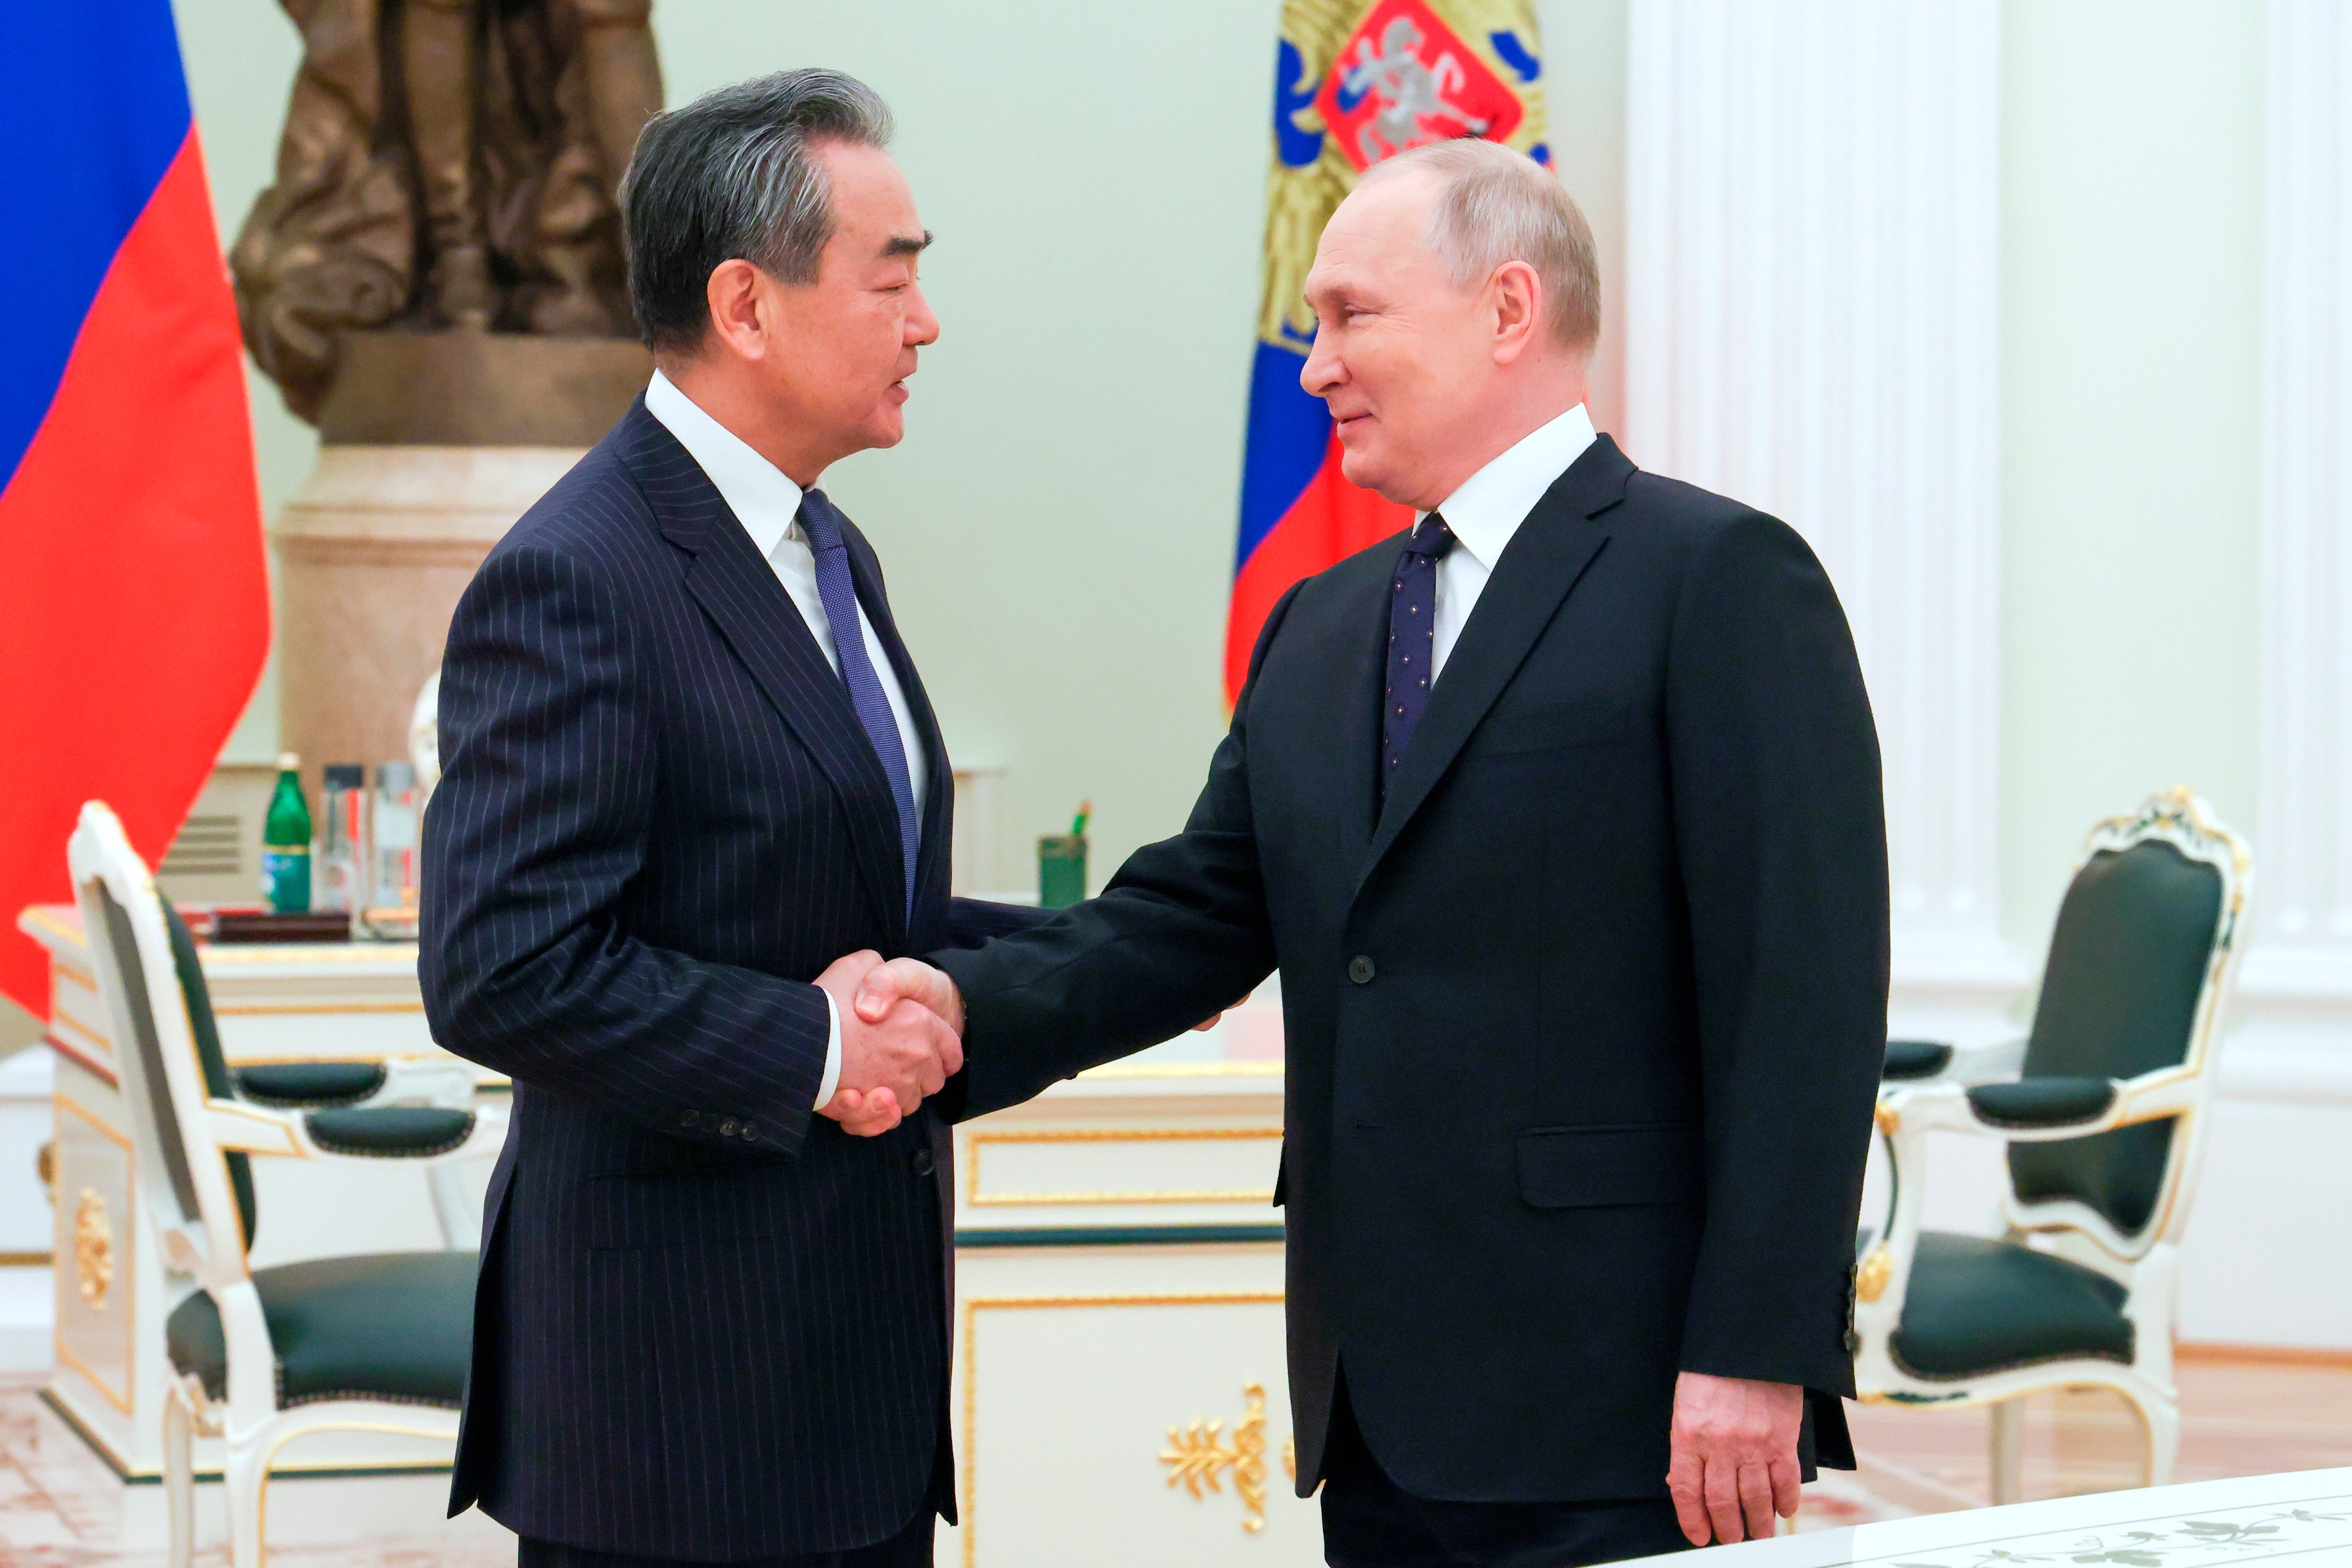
(688, 762)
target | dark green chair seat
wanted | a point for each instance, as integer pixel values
(1907, 1060)
(291, 1084)
(390, 1132)
(1977, 1307)
(396, 1325)
(2042, 1101)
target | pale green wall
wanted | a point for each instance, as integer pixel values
(2131, 213)
(1058, 525)
(240, 56)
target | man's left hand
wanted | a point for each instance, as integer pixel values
(1735, 1456)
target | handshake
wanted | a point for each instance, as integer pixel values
(901, 1039)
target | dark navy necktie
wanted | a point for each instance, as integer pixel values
(838, 592)
(1413, 640)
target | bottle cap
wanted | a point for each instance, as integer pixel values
(288, 762)
(396, 776)
(346, 775)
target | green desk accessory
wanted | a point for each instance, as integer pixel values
(1062, 864)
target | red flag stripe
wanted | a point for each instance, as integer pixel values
(1330, 521)
(130, 544)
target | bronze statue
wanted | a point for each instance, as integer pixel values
(445, 165)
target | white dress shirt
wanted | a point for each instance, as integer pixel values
(1487, 510)
(767, 505)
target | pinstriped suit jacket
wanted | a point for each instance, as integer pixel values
(709, 1325)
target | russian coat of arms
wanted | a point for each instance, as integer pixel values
(1404, 79)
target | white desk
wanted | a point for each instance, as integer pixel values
(2306, 1515)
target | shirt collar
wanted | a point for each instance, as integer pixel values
(1488, 508)
(763, 500)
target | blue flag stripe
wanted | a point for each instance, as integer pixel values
(1289, 430)
(93, 109)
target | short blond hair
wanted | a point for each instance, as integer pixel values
(1496, 205)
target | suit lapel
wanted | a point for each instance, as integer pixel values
(1538, 568)
(1359, 675)
(738, 590)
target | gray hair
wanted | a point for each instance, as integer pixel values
(1496, 205)
(730, 175)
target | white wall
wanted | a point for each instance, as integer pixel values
(2131, 281)
(1813, 326)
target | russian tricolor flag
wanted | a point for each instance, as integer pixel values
(134, 599)
(1300, 514)
(1353, 83)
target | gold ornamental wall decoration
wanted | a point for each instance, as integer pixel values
(1197, 1456)
(93, 1249)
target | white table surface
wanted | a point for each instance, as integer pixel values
(2305, 1514)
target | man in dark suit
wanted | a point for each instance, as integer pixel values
(688, 762)
(1561, 817)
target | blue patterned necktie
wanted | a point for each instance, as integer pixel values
(838, 592)
(1413, 640)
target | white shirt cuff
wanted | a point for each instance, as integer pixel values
(832, 1079)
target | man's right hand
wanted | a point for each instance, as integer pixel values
(883, 988)
(891, 1055)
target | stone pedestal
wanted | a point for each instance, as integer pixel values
(434, 443)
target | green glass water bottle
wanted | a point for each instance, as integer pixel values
(286, 842)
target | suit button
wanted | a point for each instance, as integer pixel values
(689, 1118)
(922, 1162)
(1361, 970)
(727, 1128)
(747, 1130)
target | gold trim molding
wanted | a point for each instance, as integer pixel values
(1183, 1069)
(975, 1198)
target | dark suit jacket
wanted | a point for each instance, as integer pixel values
(1583, 1027)
(709, 1324)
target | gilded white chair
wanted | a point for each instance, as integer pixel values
(2104, 1108)
(262, 1357)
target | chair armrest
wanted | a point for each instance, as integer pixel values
(389, 1132)
(307, 1085)
(427, 1080)
(252, 1127)
(2036, 1110)
(1933, 1061)
(2040, 1103)
(397, 1081)
(2032, 1111)
(1910, 1060)
(427, 1135)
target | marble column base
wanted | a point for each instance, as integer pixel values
(373, 556)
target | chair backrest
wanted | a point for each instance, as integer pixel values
(2135, 974)
(184, 1179)
(196, 996)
